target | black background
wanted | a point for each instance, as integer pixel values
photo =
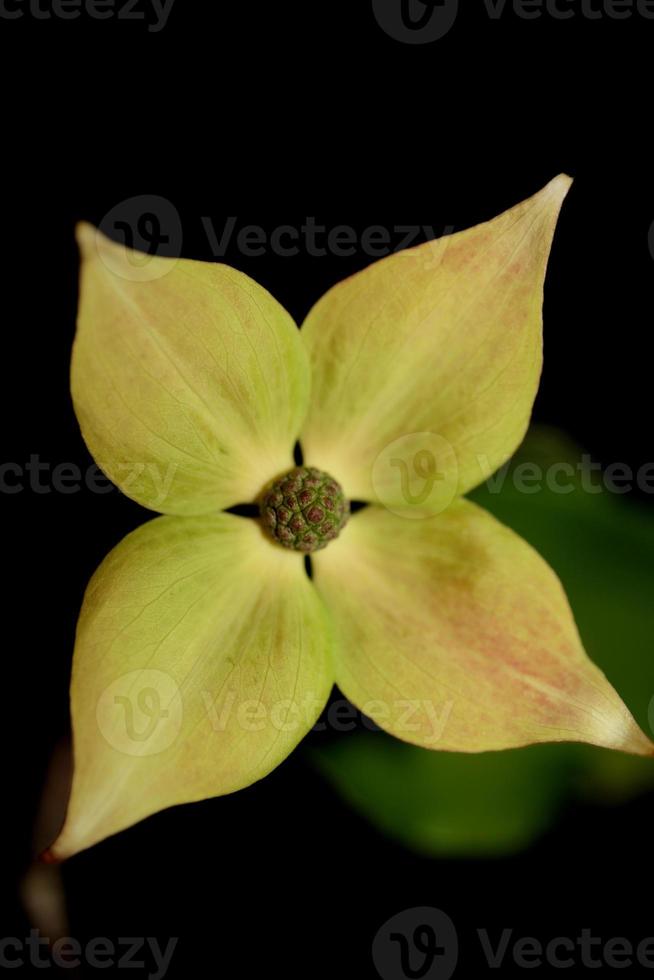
(272, 112)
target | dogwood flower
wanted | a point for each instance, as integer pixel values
(204, 651)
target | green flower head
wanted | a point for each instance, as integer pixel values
(204, 651)
(304, 510)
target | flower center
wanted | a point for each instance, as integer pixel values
(304, 510)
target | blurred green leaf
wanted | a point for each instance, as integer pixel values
(446, 803)
(602, 547)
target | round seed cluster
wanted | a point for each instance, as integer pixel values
(305, 509)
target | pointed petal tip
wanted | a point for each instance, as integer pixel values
(630, 738)
(558, 187)
(647, 749)
(86, 235)
(93, 241)
(49, 857)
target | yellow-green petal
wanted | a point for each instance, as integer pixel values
(189, 380)
(202, 658)
(453, 633)
(426, 364)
